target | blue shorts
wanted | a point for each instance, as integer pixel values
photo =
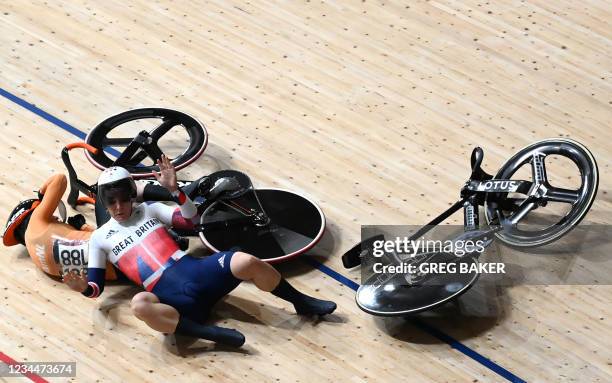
(193, 285)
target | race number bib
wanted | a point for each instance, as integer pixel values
(71, 255)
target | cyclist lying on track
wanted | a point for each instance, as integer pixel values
(33, 225)
(137, 242)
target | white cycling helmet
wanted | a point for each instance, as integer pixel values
(116, 183)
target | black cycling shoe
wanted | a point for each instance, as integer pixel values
(182, 242)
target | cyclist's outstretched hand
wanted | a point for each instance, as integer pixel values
(167, 174)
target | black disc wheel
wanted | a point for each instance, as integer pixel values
(272, 224)
(401, 294)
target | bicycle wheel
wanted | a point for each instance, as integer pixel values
(295, 224)
(393, 295)
(116, 132)
(559, 209)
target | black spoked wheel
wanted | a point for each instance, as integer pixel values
(290, 225)
(549, 211)
(406, 294)
(181, 137)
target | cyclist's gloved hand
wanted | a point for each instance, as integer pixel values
(77, 221)
(182, 242)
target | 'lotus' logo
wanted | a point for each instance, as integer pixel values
(498, 185)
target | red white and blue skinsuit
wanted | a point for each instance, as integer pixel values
(146, 253)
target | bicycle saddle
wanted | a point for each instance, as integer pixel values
(224, 184)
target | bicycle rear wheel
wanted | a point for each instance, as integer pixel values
(393, 295)
(295, 225)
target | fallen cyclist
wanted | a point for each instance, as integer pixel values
(180, 289)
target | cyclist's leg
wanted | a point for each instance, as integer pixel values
(192, 286)
(249, 268)
(160, 317)
(165, 318)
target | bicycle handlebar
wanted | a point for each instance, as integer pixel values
(76, 185)
(82, 145)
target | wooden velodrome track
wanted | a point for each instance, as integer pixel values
(369, 107)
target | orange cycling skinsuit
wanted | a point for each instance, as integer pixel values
(44, 230)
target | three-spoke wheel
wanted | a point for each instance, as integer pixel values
(114, 137)
(560, 208)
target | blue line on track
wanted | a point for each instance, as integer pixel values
(427, 328)
(318, 265)
(54, 120)
(335, 275)
(36, 110)
(467, 351)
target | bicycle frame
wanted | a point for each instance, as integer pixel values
(232, 213)
(130, 155)
(77, 186)
(480, 187)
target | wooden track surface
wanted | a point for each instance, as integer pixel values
(371, 108)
